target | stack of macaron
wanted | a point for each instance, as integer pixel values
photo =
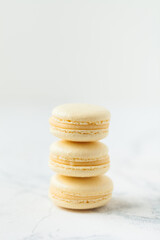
(79, 159)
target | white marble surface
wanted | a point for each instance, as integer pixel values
(26, 213)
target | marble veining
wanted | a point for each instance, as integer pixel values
(26, 213)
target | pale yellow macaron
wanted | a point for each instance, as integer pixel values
(80, 193)
(80, 122)
(79, 159)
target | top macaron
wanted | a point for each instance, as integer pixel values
(80, 122)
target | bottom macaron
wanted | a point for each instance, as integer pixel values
(80, 193)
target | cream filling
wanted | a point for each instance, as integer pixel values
(67, 124)
(79, 122)
(80, 199)
(77, 162)
(84, 168)
(81, 132)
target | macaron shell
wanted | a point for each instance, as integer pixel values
(89, 186)
(79, 135)
(81, 112)
(79, 171)
(80, 150)
(80, 193)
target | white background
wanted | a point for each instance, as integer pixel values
(106, 51)
(103, 52)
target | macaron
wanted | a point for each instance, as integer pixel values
(80, 193)
(79, 159)
(80, 122)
